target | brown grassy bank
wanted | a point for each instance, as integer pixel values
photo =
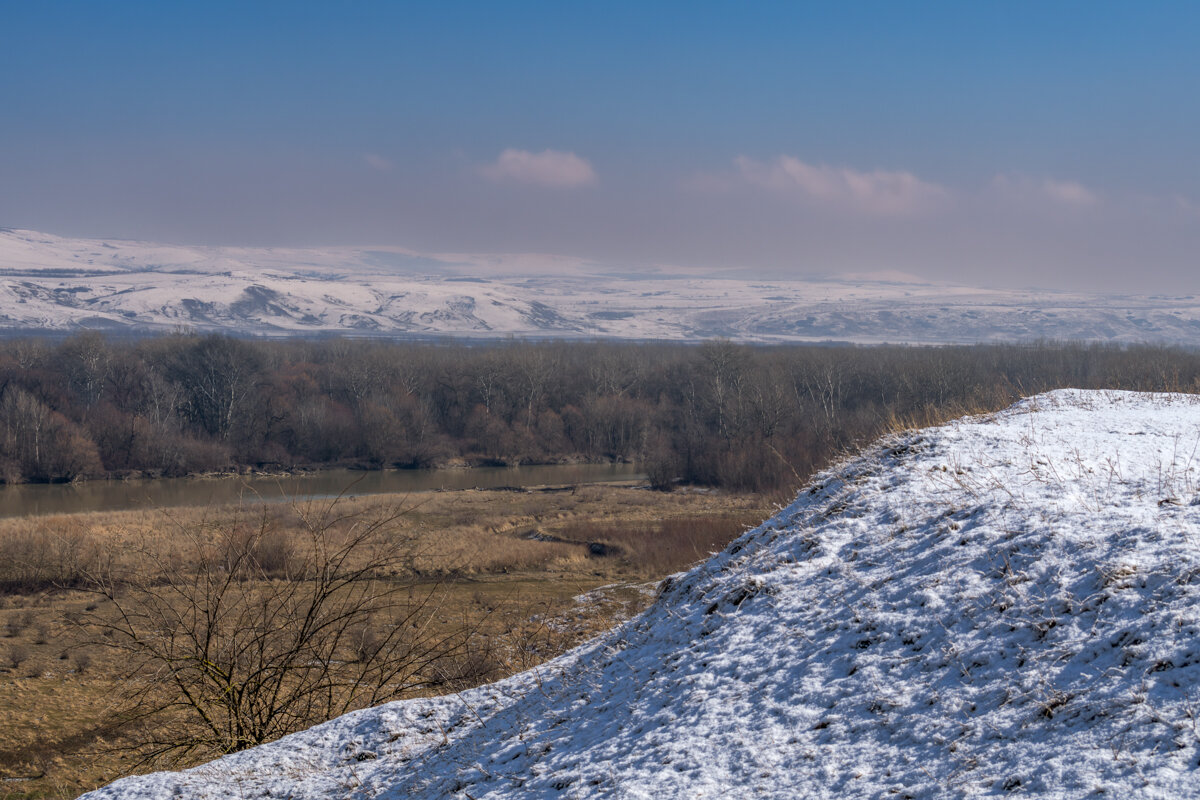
(527, 573)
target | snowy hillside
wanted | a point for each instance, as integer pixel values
(55, 283)
(1004, 605)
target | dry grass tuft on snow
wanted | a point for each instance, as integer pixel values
(1004, 605)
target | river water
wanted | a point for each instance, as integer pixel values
(69, 498)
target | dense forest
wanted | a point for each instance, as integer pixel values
(721, 414)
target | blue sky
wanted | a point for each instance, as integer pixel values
(1002, 143)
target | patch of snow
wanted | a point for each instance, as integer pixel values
(1003, 605)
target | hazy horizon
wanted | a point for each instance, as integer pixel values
(1008, 146)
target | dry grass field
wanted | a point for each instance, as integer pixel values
(523, 575)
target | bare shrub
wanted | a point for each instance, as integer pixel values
(365, 641)
(16, 623)
(262, 551)
(468, 666)
(233, 656)
(529, 638)
(41, 558)
(661, 464)
(81, 660)
(274, 554)
(17, 655)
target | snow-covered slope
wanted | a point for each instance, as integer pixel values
(1004, 605)
(55, 283)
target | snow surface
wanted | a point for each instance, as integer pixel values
(56, 283)
(1005, 605)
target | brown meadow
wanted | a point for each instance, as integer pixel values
(518, 576)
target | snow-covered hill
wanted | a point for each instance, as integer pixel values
(55, 283)
(1005, 605)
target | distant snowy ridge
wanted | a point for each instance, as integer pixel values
(1004, 605)
(62, 284)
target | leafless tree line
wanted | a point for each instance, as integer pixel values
(717, 413)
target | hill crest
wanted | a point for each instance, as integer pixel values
(1004, 604)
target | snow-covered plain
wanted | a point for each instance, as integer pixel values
(1006, 605)
(54, 283)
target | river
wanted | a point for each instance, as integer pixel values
(69, 498)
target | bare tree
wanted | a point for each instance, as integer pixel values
(218, 375)
(85, 359)
(260, 631)
(41, 444)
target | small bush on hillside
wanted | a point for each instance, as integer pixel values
(240, 634)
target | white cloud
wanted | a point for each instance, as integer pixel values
(880, 192)
(1070, 193)
(375, 161)
(551, 168)
(1063, 193)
